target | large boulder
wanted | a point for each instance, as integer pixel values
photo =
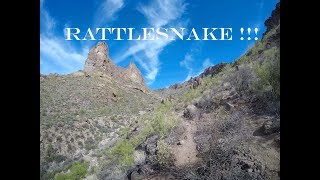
(190, 112)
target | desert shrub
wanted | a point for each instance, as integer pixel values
(206, 104)
(123, 152)
(222, 113)
(98, 137)
(43, 113)
(69, 147)
(269, 72)
(113, 118)
(164, 107)
(162, 121)
(124, 132)
(241, 80)
(51, 155)
(159, 124)
(49, 139)
(77, 171)
(189, 113)
(227, 71)
(49, 152)
(85, 126)
(80, 143)
(90, 144)
(82, 112)
(104, 111)
(267, 85)
(164, 154)
(231, 124)
(141, 137)
(258, 47)
(59, 139)
(190, 95)
(206, 83)
(244, 59)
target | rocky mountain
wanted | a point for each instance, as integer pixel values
(104, 123)
(84, 112)
(274, 20)
(132, 73)
(99, 61)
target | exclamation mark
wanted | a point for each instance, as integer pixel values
(249, 30)
(256, 32)
(241, 30)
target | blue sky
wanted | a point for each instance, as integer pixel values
(162, 62)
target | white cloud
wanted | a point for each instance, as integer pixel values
(161, 12)
(107, 12)
(146, 53)
(206, 63)
(54, 50)
(188, 63)
(47, 22)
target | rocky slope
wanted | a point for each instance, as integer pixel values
(84, 112)
(104, 123)
(233, 111)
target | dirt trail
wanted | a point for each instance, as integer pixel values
(185, 153)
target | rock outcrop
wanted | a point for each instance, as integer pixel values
(274, 20)
(194, 82)
(99, 61)
(272, 34)
(132, 73)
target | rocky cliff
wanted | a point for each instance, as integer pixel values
(274, 20)
(99, 61)
(132, 73)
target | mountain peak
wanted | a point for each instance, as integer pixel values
(274, 20)
(132, 65)
(98, 59)
(133, 73)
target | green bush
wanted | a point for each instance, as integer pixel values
(159, 124)
(164, 154)
(268, 73)
(258, 47)
(163, 121)
(141, 137)
(77, 171)
(123, 152)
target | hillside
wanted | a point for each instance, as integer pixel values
(103, 122)
(86, 111)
